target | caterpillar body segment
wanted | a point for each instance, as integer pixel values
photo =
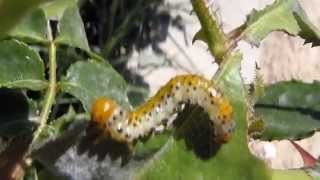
(126, 126)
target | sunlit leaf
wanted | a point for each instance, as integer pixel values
(90, 80)
(282, 15)
(55, 9)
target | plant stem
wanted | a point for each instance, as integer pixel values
(235, 36)
(51, 92)
(211, 31)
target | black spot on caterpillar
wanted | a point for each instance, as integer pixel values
(126, 126)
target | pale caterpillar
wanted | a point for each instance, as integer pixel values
(127, 126)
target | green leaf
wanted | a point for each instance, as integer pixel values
(282, 15)
(290, 110)
(290, 175)
(178, 160)
(21, 66)
(71, 30)
(90, 80)
(55, 9)
(12, 11)
(32, 28)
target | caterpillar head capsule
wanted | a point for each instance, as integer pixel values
(102, 110)
(108, 117)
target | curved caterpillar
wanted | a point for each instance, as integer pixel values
(126, 126)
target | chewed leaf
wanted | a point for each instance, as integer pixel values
(282, 15)
(21, 66)
(90, 80)
(290, 110)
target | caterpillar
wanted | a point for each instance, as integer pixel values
(127, 126)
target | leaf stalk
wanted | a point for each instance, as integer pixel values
(51, 91)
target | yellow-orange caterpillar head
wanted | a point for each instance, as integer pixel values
(102, 110)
